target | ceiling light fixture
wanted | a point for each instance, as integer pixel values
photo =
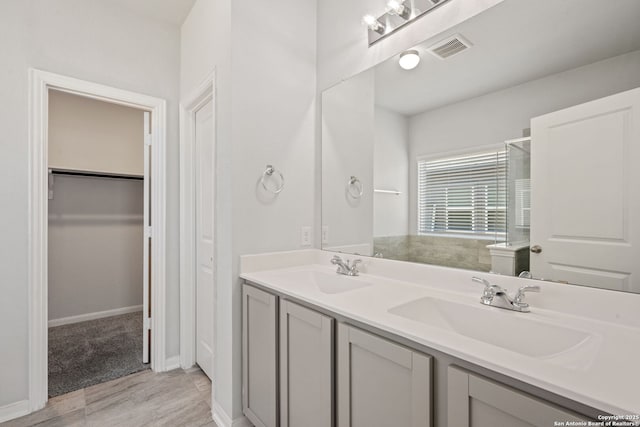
(373, 24)
(397, 7)
(409, 59)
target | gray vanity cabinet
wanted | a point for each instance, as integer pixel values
(380, 383)
(259, 357)
(306, 367)
(474, 401)
(302, 368)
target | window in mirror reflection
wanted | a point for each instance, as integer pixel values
(463, 196)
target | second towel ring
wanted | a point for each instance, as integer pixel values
(355, 184)
(269, 171)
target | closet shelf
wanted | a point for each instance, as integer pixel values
(92, 174)
(94, 217)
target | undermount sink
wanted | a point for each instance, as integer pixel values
(501, 328)
(328, 283)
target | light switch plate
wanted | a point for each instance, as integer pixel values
(325, 234)
(305, 236)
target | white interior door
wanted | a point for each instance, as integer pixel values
(204, 141)
(146, 245)
(585, 203)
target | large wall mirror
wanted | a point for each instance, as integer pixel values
(512, 147)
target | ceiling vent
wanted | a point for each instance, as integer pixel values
(450, 46)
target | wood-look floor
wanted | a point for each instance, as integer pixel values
(175, 398)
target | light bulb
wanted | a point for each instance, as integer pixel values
(369, 20)
(397, 7)
(394, 6)
(373, 24)
(409, 59)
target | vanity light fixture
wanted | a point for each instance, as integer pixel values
(398, 13)
(397, 7)
(373, 24)
(409, 59)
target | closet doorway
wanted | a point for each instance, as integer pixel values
(197, 229)
(98, 243)
(97, 234)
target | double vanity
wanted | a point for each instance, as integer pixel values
(412, 345)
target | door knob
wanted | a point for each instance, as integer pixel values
(536, 249)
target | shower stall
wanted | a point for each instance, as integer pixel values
(511, 257)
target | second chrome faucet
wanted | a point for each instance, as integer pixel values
(497, 296)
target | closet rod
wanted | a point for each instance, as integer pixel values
(95, 174)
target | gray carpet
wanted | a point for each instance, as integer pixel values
(93, 352)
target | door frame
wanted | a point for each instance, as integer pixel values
(40, 82)
(201, 95)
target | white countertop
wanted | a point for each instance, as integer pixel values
(603, 374)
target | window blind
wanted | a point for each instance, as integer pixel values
(463, 195)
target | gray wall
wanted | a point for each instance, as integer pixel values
(348, 136)
(273, 111)
(391, 172)
(502, 115)
(95, 225)
(87, 134)
(95, 245)
(92, 40)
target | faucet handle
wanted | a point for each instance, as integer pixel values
(354, 267)
(490, 290)
(519, 299)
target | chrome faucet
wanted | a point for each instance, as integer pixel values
(497, 296)
(344, 267)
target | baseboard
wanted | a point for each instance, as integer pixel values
(14, 410)
(222, 419)
(172, 363)
(92, 316)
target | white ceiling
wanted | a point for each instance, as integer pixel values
(513, 42)
(169, 11)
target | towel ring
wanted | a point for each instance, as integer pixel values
(268, 172)
(355, 184)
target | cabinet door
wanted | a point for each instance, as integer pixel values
(381, 383)
(474, 401)
(306, 367)
(259, 357)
